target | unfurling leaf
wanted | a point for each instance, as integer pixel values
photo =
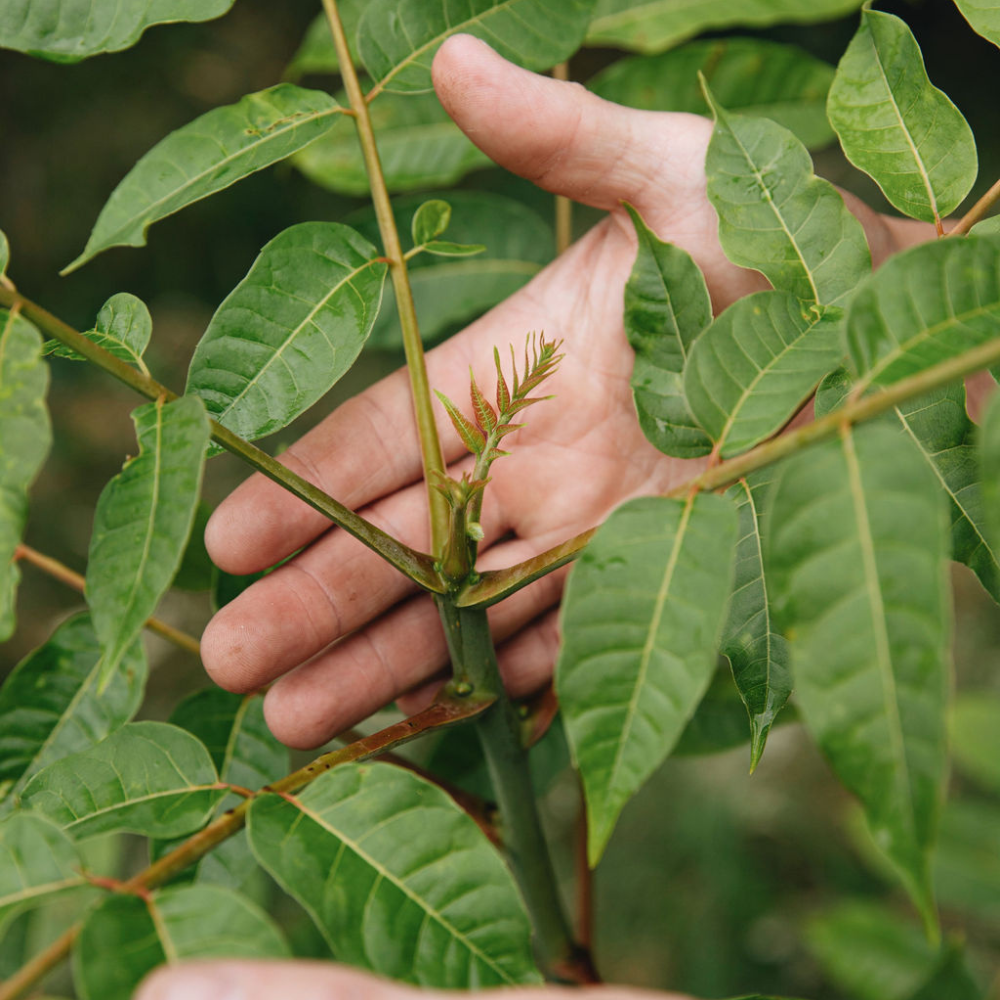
(123, 328)
(430, 221)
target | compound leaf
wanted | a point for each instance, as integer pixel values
(142, 523)
(896, 126)
(208, 155)
(855, 555)
(149, 778)
(397, 877)
(640, 622)
(984, 16)
(123, 328)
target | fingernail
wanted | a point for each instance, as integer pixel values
(191, 984)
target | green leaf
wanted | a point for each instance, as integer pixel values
(397, 39)
(290, 329)
(983, 16)
(196, 571)
(445, 249)
(776, 215)
(316, 53)
(666, 307)
(126, 937)
(49, 706)
(37, 862)
(26, 436)
(896, 126)
(751, 76)
(142, 523)
(987, 227)
(149, 778)
(757, 654)
(207, 155)
(397, 877)
(975, 737)
(923, 306)
(752, 369)
(989, 470)
(419, 146)
(123, 329)
(4, 254)
(430, 221)
(640, 622)
(967, 860)
(855, 555)
(950, 979)
(70, 30)
(655, 25)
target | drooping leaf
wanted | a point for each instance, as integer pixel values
(654, 25)
(316, 53)
(26, 436)
(896, 126)
(419, 147)
(989, 470)
(70, 30)
(975, 737)
(397, 877)
(123, 328)
(430, 220)
(756, 364)
(142, 523)
(776, 215)
(290, 329)
(666, 307)
(757, 654)
(208, 155)
(750, 76)
(126, 937)
(397, 39)
(984, 17)
(640, 621)
(149, 778)
(855, 555)
(49, 706)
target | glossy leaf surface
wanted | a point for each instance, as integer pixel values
(290, 329)
(26, 436)
(397, 39)
(666, 307)
(755, 366)
(142, 523)
(777, 216)
(397, 877)
(640, 621)
(149, 778)
(208, 155)
(123, 328)
(855, 555)
(896, 126)
(749, 76)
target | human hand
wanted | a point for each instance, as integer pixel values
(576, 460)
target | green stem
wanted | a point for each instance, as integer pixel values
(430, 446)
(495, 585)
(418, 566)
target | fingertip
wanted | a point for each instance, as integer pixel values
(290, 715)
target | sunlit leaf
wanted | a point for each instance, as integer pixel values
(855, 556)
(208, 155)
(397, 39)
(290, 329)
(896, 126)
(640, 621)
(751, 76)
(397, 877)
(26, 436)
(984, 16)
(123, 328)
(666, 307)
(149, 778)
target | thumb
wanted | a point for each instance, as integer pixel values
(564, 138)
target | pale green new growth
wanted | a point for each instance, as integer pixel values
(123, 328)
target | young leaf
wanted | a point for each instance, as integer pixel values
(983, 16)
(640, 621)
(148, 778)
(855, 554)
(142, 523)
(757, 654)
(70, 30)
(975, 737)
(290, 329)
(666, 308)
(430, 221)
(397, 39)
(179, 923)
(776, 215)
(208, 155)
(49, 706)
(26, 436)
(445, 249)
(472, 437)
(750, 76)
(896, 126)
(756, 364)
(397, 877)
(123, 328)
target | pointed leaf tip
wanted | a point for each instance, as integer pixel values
(471, 436)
